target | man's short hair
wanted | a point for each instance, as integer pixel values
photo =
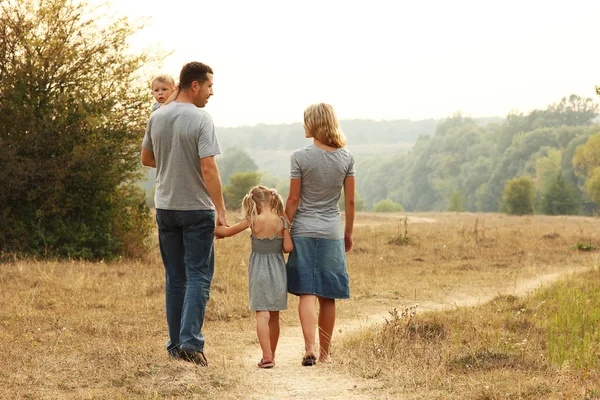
(193, 71)
(164, 78)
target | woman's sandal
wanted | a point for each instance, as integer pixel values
(309, 361)
(262, 364)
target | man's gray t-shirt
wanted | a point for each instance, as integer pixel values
(322, 174)
(179, 135)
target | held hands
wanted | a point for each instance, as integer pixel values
(222, 223)
(220, 231)
(348, 242)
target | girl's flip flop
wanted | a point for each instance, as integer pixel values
(262, 364)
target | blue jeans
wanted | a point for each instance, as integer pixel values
(186, 241)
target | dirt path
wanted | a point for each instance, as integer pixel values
(289, 380)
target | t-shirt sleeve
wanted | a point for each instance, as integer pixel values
(208, 145)
(295, 172)
(147, 142)
(351, 166)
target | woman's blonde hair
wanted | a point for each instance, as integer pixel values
(322, 124)
(259, 197)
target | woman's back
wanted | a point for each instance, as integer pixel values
(322, 175)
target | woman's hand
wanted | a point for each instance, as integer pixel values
(348, 242)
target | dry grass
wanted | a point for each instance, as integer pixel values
(503, 349)
(95, 330)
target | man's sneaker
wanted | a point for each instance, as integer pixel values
(194, 356)
(174, 354)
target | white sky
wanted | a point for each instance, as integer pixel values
(377, 59)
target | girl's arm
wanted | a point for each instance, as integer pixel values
(350, 209)
(288, 245)
(291, 205)
(226, 231)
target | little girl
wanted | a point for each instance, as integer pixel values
(263, 213)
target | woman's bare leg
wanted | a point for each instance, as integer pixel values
(307, 310)
(326, 324)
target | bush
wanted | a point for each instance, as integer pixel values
(387, 205)
(519, 196)
(73, 111)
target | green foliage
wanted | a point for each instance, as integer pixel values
(519, 196)
(587, 156)
(561, 198)
(240, 184)
(592, 186)
(234, 160)
(73, 108)
(572, 330)
(387, 205)
(547, 169)
(585, 247)
(456, 202)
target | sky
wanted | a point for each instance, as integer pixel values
(376, 59)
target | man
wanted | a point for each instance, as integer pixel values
(180, 143)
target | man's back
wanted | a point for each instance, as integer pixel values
(179, 135)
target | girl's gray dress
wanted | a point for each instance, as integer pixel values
(267, 278)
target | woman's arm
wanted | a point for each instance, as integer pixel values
(291, 205)
(226, 231)
(350, 210)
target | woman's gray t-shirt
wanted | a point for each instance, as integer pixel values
(322, 174)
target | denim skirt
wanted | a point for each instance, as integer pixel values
(318, 267)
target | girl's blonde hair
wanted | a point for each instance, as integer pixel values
(259, 197)
(322, 124)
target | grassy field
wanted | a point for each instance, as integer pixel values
(97, 331)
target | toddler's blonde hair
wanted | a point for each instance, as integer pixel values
(259, 197)
(164, 78)
(322, 124)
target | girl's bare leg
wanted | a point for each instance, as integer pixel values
(273, 331)
(307, 310)
(326, 324)
(264, 338)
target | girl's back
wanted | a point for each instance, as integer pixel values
(266, 226)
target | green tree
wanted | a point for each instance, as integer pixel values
(240, 184)
(387, 205)
(519, 196)
(456, 202)
(561, 198)
(235, 160)
(547, 169)
(73, 108)
(587, 157)
(592, 186)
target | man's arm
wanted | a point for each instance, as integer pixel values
(148, 158)
(212, 180)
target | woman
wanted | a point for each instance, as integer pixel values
(317, 267)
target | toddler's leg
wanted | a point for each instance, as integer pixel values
(262, 330)
(274, 330)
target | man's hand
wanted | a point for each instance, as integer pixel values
(348, 242)
(221, 221)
